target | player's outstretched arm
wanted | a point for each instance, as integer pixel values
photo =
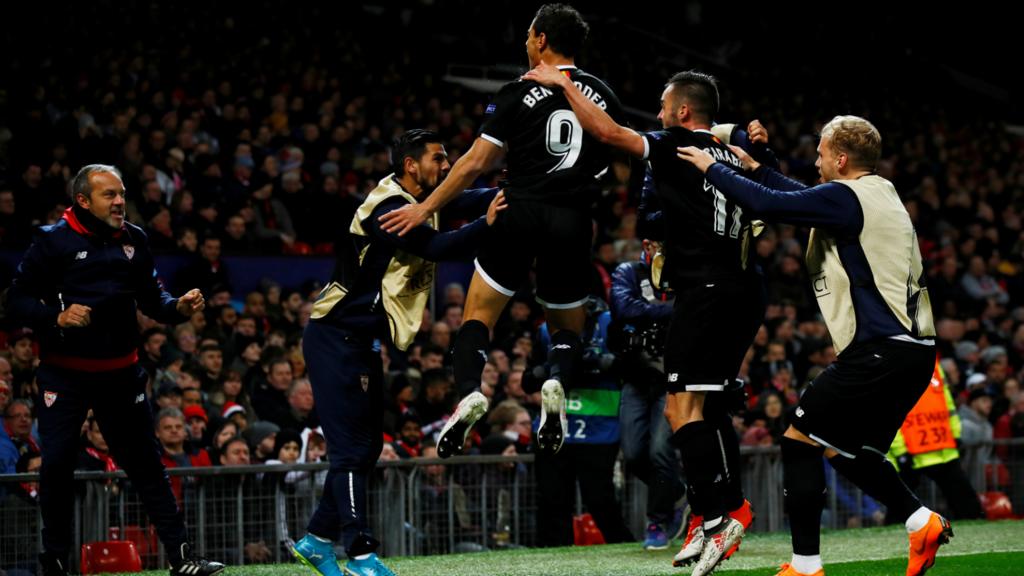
(594, 120)
(480, 157)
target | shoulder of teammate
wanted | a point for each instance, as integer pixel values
(663, 143)
(613, 106)
(509, 95)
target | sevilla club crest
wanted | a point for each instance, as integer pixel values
(49, 398)
(129, 251)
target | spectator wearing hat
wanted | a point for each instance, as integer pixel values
(197, 423)
(237, 414)
(974, 381)
(168, 395)
(261, 436)
(966, 354)
(974, 414)
(23, 362)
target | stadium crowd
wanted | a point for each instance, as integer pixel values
(269, 149)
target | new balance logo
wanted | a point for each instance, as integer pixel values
(81, 255)
(673, 377)
(140, 398)
(799, 412)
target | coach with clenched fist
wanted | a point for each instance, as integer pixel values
(79, 287)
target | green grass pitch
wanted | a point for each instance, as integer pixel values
(979, 548)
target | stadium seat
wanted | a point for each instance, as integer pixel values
(324, 249)
(585, 531)
(113, 556)
(297, 249)
(144, 539)
(997, 506)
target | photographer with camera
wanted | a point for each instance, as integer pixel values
(641, 313)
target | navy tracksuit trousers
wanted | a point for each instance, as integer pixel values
(119, 404)
(348, 389)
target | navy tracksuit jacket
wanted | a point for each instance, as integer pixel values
(82, 260)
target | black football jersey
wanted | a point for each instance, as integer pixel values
(706, 234)
(549, 155)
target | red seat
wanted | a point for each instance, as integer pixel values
(145, 539)
(996, 505)
(298, 249)
(114, 556)
(585, 531)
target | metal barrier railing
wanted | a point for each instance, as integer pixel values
(248, 514)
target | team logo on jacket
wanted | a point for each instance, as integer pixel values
(364, 381)
(129, 251)
(49, 398)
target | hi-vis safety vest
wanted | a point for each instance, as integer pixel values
(930, 430)
(926, 428)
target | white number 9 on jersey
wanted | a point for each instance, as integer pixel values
(564, 138)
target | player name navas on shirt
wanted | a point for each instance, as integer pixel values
(724, 156)
(538, 93)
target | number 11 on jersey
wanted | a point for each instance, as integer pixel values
(737, 213)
